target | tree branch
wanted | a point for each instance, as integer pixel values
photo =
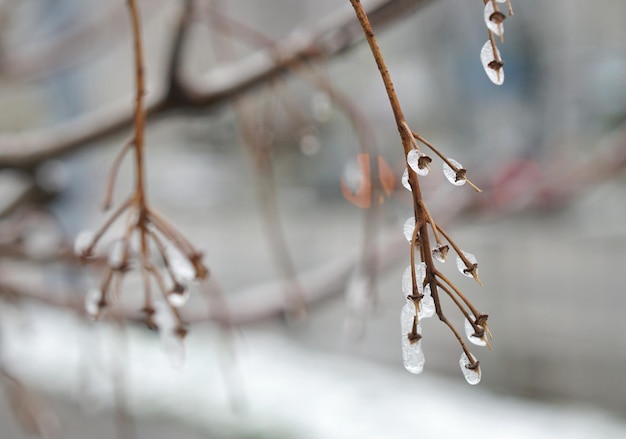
(327, 38)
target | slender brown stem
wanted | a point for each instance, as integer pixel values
(140, 117)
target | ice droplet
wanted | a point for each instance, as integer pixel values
(182, 269)
(465, 271)
(93, 300)
(116, 254)
(469, 332)
(407, 283)
(452, 175)
(83, 241)
(494, 20)
(178, 298)
(408, 228)
(472, 376)
(405, 180)
(413, 160)
(412, 355)
(427, 305)
(492, 64)
(420, 275)
(440, 252)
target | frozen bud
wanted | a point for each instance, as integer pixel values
(454, 176)
(178, 296)
(492, 63)
(471, 371)
(418, 162)
(405, 180)
(409, 228)
(412, 355)
(94, 302)
(470, 270)
(407, 281)
(440, 252)
(183, 270)
(473, 336)
(494, 20)
(84, 243)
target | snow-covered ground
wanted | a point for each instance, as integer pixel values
(280, 389)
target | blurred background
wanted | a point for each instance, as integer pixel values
(548, 147)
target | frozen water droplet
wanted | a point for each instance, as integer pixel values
(406, 317)
(405, 180)
(469, 332)
(427, 306)
(93, 300)
(472, 376)
(116, 254)
(440, 252)
(413, 160)
(457, 177)
(407, 284)
(494, 20)
(83, 241)
(178, 298)
(174, 348)
(492, 64)
(412, 355)
(461, 265)
(408, 228)
(182, 269)
(420, 275)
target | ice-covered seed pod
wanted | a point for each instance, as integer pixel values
(470, 334)
(440, 252)
(456, 177)
(83, 243)
(470, 271)
(494, 20)
(471, 372)
(182, 269)
(492, 63)
(418, 162)
(412, 354)
(178, 296)
(420, 275)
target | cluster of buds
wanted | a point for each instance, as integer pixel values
(422, 281)
(165, 258)
(489, 54)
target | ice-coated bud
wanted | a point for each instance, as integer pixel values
(471, 372)
(470, 334)
(456, 177)
(83, 243)
(492, 63)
